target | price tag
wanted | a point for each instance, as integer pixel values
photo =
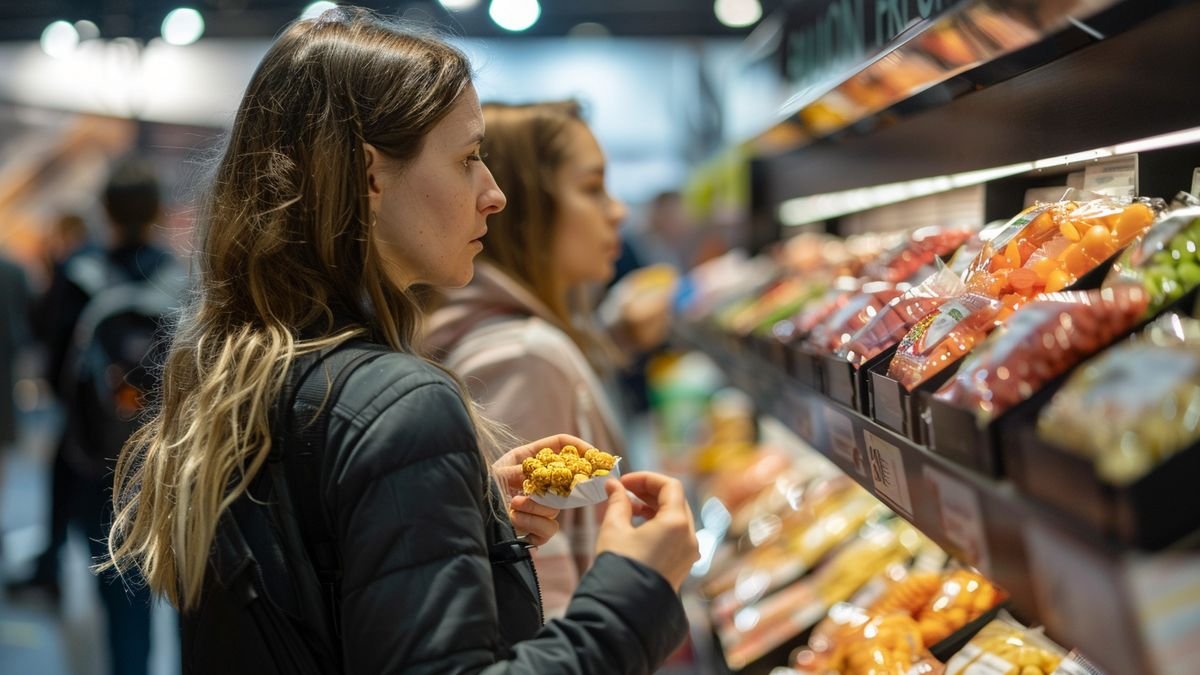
(841, 439)
(887, 472)
(1115, 177)
(962, 519)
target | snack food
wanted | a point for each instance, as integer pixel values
(560, 473)
(962, 597)
(1166, 260)
(944, 336)
(1039, 342)
(891, 323)
(1005, 647)
(922, 247)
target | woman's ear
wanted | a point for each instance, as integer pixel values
(373, 164)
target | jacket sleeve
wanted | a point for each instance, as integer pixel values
(417, 589)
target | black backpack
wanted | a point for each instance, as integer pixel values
(274, 550)
(112, 361)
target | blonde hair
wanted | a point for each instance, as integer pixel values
(286, 266)
(526, 146)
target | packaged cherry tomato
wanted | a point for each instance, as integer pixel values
(891, 323)
(857, 312)
(921, 248)
(943, 337)
(1042, 340)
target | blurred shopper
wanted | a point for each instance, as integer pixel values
(99, 316)
(520, 334)
(14, 336)
(313, 495)
(52, 322)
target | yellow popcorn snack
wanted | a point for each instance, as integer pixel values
(559, 473)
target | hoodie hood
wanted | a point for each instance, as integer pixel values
(490, 295)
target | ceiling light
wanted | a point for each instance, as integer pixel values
(59, 39)
(317, 9)
(459, 5)
(182, 26)
(738, 13)
(515, 15)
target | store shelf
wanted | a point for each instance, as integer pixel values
(1088, 591)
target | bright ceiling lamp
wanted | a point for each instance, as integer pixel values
(515, 15)
(182, 26)
(459, 5)
(317, 9)
(59, 39)
(738, 13)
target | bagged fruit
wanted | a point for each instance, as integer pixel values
(964, 595)
(888, 645)
(857, 312)
(891, 323)
(943, 337)
(1166, 260)
(922, 247)
(1005, 647)
(1042, 340)
(1061, 242)
(1134, 404)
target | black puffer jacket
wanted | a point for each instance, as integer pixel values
(404, 486)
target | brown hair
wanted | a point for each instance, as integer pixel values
(286, 266)
(526, 146)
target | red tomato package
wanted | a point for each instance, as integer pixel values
(891, 323)
(1042, 340)
(857, 312)
(921, 248)
(946, 335)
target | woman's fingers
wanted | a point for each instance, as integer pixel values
(536, 529)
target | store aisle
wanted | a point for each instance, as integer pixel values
(34, 637)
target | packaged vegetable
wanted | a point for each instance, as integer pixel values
(1042, 340)
(891, 323)
(857, 312)
(1166, 260)
(945, 336)
(1058, 243)
(1146, 394)
(963, 596)
(820, 309)
(890, 644)
(921, 248)
(1005, 647)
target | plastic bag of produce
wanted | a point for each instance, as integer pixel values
(1042, 340)
(1134, 404)
(944, 336)
(1006, 647)
(1166, 260)
(857, 312)
(964, 595)
(891, 323)
(888, 645)
(923, 247)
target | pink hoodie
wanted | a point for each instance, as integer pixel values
(529, 375)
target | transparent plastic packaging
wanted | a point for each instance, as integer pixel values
(1005, 647)
(945, 336)
(1166, 260)
(923, 247)
(963, 596)
(857, 312)
(1042, 340)
(891, 323)
(1133, 405)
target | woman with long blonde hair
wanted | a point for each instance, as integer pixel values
(353, 176)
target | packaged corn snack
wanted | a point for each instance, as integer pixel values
(1005, 647)
(569, 478)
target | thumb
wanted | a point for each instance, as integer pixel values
(619, 510)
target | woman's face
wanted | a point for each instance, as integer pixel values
(586, 242)
(431, 212)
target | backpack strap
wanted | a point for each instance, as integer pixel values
(295, 462)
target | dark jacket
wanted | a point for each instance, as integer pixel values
(404, 487)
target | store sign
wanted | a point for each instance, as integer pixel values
(825, 36)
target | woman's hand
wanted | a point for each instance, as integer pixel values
(666, 542)
(535, 522)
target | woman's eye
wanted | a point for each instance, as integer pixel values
(477, 157)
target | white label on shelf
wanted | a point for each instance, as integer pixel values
(841, 438)
(887, 472)
(1196, 182)
(1115, 177)
(962, 518)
